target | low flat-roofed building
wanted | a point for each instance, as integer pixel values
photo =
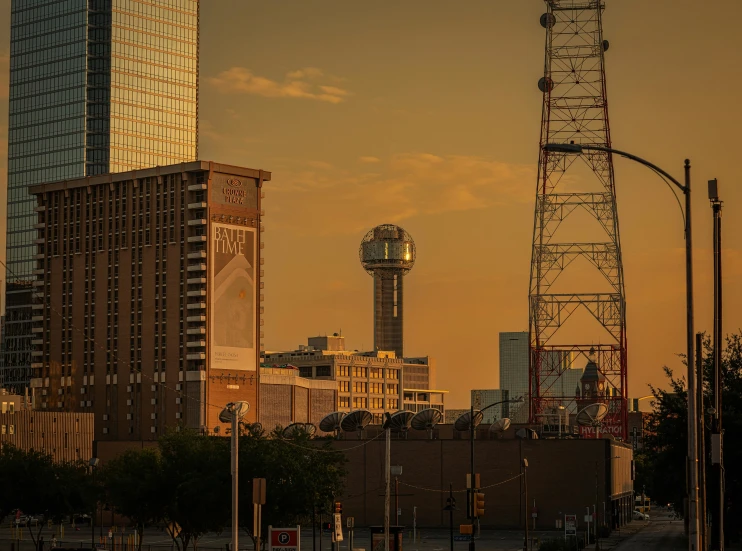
(286, 398)
(63, 435)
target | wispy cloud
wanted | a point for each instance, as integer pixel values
(302, 83)
(407, 185)
(369, 160)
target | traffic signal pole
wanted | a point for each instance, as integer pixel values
(451, 507)
(472, 478)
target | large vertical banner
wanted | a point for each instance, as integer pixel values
(233, 329)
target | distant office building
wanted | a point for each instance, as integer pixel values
(367, 380)
(148, 296)
(419, 373)
(418, 376)
(451, 415)
(514, 353)
(481, 399)
(96, 86)
(286, 398)
(514, 359)
(418, 399)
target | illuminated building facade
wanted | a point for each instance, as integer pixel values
(96, 86)
(148, 288)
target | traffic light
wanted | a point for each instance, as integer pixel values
(478, 505)
(450, 504)
(338, 507)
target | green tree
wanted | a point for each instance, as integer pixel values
(133, 483)
(196, 485)
(661, 464)
(301, 474)
(33, 483)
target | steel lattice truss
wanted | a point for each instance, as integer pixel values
(575, 110)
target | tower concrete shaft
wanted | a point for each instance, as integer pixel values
(387, 253)
(575, 110)
(388, 305)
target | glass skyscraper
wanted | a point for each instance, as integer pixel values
(96, 86)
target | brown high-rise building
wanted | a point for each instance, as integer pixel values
(148, 296)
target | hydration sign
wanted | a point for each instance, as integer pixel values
(284, 539)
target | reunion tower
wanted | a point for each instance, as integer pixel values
(387, 253)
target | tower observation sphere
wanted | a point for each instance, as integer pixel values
(387, 253)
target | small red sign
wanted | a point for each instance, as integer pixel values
(284, 539)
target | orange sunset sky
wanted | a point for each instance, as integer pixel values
(426, 113)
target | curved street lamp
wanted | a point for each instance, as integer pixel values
(693, 490)
(232, 413)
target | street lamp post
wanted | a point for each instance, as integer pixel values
(693, 539)
(232, 413)
(717, 447)
(93, 464)
(524, 466)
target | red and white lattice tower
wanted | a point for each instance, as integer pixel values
(575, 110)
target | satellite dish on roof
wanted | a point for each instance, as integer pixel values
(234, 409)
(356, 420)
(426, 419)
(501, 425)
(400, 421)
(463, 423)
(592, 415)
(254, 428)
(331, 422)
(293, 430)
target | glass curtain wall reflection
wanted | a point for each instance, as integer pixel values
(96, 86)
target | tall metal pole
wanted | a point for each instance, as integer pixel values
(716, 429)
(525, 502)
(235, 458)
(95, 514)
(472, 478)
(386, 495)
(693, 541)
(396, 501)
(703, 522)
(450, 513)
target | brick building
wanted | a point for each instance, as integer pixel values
(287, 398)
(563, 478)
(147, 298)
(64, 436)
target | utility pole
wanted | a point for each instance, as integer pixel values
(235, 473)
(525, 502)
(702, 515)
(387, 492)
(450, 507)
(472, 428)
(693, 541)
(396, 501)
(717, 446)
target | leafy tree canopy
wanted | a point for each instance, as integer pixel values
(661, 464)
